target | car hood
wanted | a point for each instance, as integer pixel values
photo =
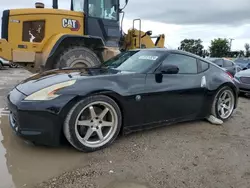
(245, 73)
(39, 81)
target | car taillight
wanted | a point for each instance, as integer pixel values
(229, 74)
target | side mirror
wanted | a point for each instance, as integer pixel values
(168, 69)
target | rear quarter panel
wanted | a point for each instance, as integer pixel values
(216, 79)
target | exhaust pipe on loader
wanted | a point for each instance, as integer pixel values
(55, 4)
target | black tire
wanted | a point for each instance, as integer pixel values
(214, 110)
(81, 56)
(71, 118)
(13, 65)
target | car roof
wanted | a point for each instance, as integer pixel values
(180, 52)
(171, 51)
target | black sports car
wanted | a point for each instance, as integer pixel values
(136, 90)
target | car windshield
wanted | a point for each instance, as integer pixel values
(133, 61)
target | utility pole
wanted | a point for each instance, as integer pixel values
(230, 43)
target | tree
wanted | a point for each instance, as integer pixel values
(192, 45)
(219, 47)
(247, 48)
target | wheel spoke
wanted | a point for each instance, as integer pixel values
(104, 112)
(227, 107)
(84, 123)
(107, 124)
(222, 111)
(99, 133)
(220, 101)
(92, 112)
(227, 100)
(219, 107)
(224, 96)
(88, 134)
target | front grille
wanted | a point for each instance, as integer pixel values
(245, 80)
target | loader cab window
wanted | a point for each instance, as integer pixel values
(104, 9)
(78, 5)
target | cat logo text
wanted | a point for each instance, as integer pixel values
(73, 25)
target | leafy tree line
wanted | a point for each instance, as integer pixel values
(218, 48)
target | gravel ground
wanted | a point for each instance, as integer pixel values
(194, 154)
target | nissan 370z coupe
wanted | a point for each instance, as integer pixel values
(135, 90)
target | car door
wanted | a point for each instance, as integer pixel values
(175, 96)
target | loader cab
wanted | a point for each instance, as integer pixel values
(101, 19)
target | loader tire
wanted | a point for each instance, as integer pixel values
(77, 57)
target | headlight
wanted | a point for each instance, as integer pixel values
(48, 93)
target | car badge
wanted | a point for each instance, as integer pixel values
(138, 98)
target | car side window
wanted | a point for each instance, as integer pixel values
(218, 62)
(203, 66)
(228, 63)
(186, 64)
(238, 69)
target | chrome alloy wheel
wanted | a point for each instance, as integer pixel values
(225, 104)
(96, 124)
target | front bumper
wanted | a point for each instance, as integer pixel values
(37, 122)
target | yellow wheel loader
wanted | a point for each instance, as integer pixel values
(88, 34)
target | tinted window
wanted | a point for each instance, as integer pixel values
(204, 66)
(186, 64)
(228, 63)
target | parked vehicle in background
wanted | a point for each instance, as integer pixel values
(4, 63)
(226, 64)
(244, 63)
(242, 79)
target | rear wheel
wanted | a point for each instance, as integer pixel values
(77, 56)
(93, 123)
(223, 104)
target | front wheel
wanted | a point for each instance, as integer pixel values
(224, 103)
(93, 123)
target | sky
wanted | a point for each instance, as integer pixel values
(179, 19)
